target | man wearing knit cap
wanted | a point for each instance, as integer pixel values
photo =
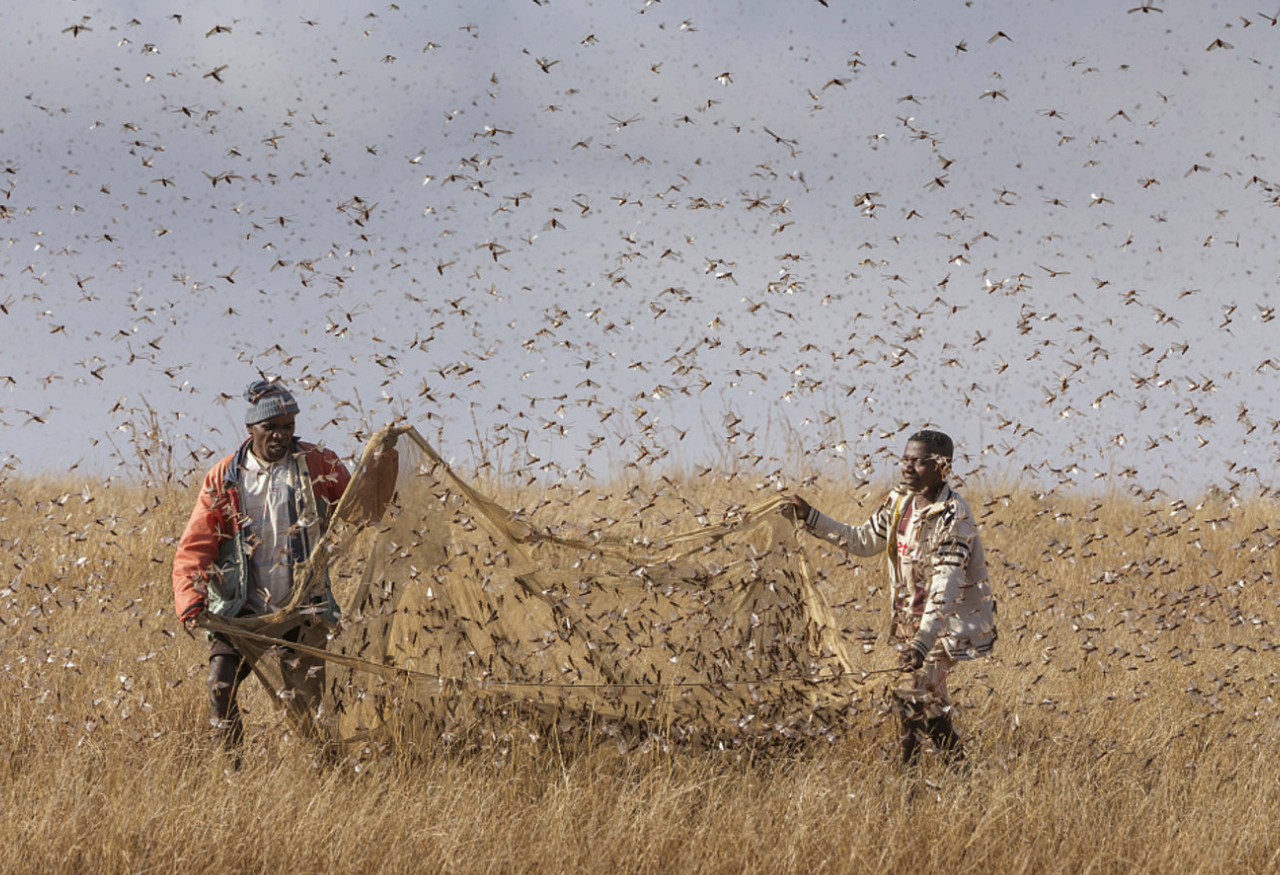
(261, 511)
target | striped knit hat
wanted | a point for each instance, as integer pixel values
(267, 399)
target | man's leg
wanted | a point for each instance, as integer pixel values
(303, 677)
(933, 678)
(227, 670)
(912, 726)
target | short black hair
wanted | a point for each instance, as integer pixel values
(938, 442)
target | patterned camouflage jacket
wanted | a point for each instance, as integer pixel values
(959, 611)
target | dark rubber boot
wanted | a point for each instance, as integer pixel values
(946, 739)
(226, 671)
(913, 728)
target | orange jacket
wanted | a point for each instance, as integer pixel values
(212, 542)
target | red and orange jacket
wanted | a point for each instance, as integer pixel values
(212, 568)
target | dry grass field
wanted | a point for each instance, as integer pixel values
(1127, 722)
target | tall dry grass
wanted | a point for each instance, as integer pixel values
(1127, 722)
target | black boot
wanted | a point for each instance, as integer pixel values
(946, 739)
(913, 729)
(226, 671)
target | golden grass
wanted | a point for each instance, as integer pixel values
(1127, 722)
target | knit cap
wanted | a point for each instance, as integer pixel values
(267, 399)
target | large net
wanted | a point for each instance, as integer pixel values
(459, 616)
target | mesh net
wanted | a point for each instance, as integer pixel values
(458, 616)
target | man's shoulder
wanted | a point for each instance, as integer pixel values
(897, 493)
(322, 462)
(956, 508)
(218, 473)
(315, 451)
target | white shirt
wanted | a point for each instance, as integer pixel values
(264, 489)
(910, 569)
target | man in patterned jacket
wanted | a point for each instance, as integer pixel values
(943, 610)
(261, 511)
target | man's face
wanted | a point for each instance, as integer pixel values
(922, 469)
(272, 437)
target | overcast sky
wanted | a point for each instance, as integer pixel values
(726, 233)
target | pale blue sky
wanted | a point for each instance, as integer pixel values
(409, 229)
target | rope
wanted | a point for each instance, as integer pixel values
(219, 624)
